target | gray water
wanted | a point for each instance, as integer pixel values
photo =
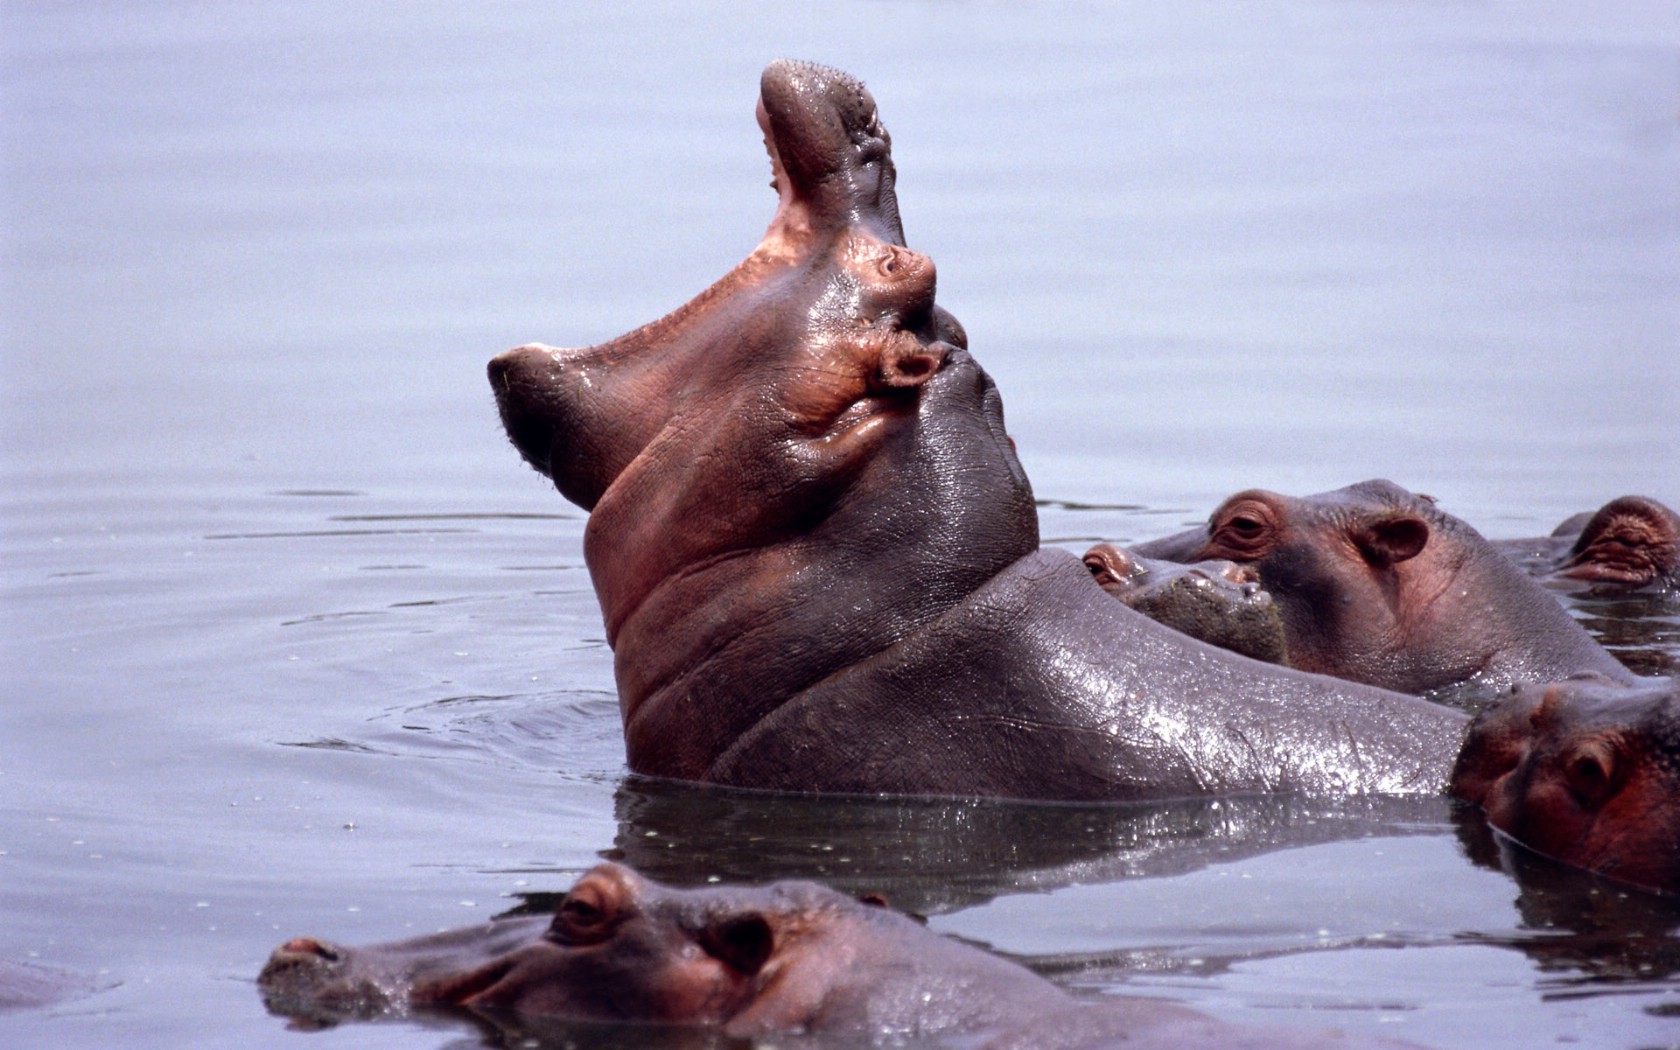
(293, 643)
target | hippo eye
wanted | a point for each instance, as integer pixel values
(580, 913)
(580, 919)
(1239, 534)
(1245, 526)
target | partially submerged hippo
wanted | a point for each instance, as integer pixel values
(792, 957)
(1585, 771)
(1378, 585)
(817, 555)
(1220, 602)
(1630, 544)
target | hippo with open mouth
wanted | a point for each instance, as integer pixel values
(817, 555)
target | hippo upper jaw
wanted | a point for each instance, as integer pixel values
(832, 262)
(830, 156)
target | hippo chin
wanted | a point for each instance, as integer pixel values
(1220, 602)
(1629, 545)
(1378, 585)
(791, 957)
(1585, 771)
(813, 544)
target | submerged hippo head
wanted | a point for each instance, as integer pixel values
(1631, 543)
(783, 957)
(793, 469)
(1220, 602)
(791, 957)
(1585, 771)
(1377, 584)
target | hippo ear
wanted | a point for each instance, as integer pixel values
(1392, 538)
(743, 941)
(1592, 772)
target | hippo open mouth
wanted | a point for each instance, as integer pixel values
(583, 415)
(813, 543)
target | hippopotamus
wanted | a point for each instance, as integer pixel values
(1630, 544)
(790, 957)
(1379, 585)
(1220, 602)
(817, 554)
(1586, 771)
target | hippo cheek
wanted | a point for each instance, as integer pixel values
(1637, 836)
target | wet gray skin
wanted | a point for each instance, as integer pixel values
(1221, 603)
(812, 541)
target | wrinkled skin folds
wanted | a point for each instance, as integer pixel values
(1586, 771)
(752, 961)
(812, 541)
(1629, 545)
(1378, 585)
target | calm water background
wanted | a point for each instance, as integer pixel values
(292, 643)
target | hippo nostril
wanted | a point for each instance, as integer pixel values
(311, 946)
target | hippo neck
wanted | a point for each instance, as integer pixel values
(716, 646)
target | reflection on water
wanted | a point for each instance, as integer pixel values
(1642, 630)
(294, 644)
(1581, 931)
(930, 856)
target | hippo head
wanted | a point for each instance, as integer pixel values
(789, 956)
(793, 469)
(1336, 563)
(825, 328)
(1631, 542)
(617, 948)
(1377, 584)
(1586, 771)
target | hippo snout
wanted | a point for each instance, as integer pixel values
(523, 380)
(302, 966)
